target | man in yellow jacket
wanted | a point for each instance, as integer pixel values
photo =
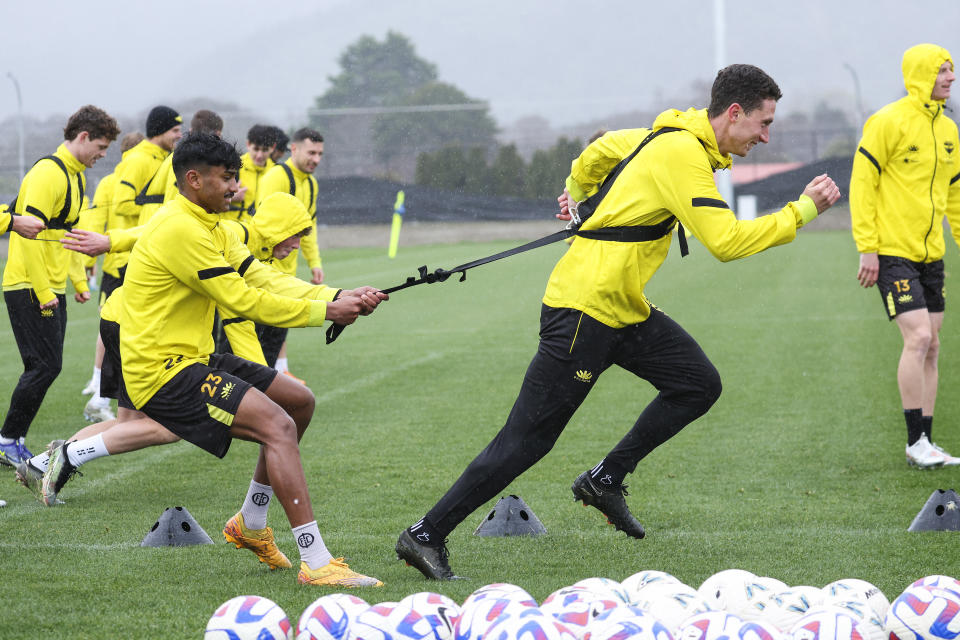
(261, 141)
(295, 176)
(595, 313)
(137, 193)
(35, 275)
(183, 266)
(906, 177)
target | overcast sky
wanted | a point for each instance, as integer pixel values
(563, 60)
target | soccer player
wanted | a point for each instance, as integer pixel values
(595, 313)
(102, 216)
(906, 177)
(203, 121)
(295, 176)
(165, 344)
(26, 226)
(35, 275)
(261, 141)
(281, 148)
(138, 194)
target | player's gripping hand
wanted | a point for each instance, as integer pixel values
(369, 296)
(566, 203)
(28, 226)
(823, 191)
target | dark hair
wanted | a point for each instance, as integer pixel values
(262, 135)
(206, 121)
(744, 84)
(198, 149)
(282, 139)
(307, 133)
(95, 121)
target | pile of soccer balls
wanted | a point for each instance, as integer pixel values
(649, 605)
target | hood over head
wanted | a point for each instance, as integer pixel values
(920, 66)
(279, 216)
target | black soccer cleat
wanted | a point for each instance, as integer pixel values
(610, 503)
(429, 560)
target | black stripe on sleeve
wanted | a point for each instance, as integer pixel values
(709, 202)
(128, 184)
(233, 321)
(213, 272)
(10, 226)
(37, 213)
(245, 265)
(955, 178)
(869, 157)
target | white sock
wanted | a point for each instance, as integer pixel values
(7, 440)
(310, 544)
(82, 451)
(281, 365)
(254, 509)
(95, 379)
(40, 461)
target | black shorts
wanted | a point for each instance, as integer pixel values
(906, 285)
(109, 284)
(111, 372)
(200, 402)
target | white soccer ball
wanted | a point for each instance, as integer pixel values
(712, 625)
(746, 600)
(759, 630)
(604, 588)
(717, 588)
(398, 622)
(439, 610)
(672, 604)
(575, 610)
(871, 624)
(531, 624)
(772, 584)
(826, 623)
(249, 618)
(477, 616)
(499, 590)
(924, 613)
(783, 609)
(641, 579)
(612, 616)
(939, 582)
(635, 627)
(329, 616)
(849, 589)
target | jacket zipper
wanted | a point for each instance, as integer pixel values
(936, 160)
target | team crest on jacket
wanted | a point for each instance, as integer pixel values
(948, 146)
(913, 148)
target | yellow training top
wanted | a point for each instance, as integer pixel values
(304, 187)
(671, 176)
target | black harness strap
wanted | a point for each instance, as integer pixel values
(638, 233)
(293, 188)
(142, 198)
(59, 221)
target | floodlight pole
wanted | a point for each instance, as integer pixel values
(16, 85)
(724, 179)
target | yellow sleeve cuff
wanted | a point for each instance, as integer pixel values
(576, 192)
(807, 209)
(318, 314)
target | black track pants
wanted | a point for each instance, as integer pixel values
(574, 350)
(39, 335)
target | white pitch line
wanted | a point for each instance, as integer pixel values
(379, 376)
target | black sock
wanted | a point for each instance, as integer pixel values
(425, 533)
(914, 418)
(608, 475)
(927, 422)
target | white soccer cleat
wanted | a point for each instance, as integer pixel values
(98, 410)
(948, 460)
(923, 455)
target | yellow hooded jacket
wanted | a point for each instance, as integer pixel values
(305, 189)
(280, 217)
(906, 174)
(184, 265)
(35, 264)
(671, 176)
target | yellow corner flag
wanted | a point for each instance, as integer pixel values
(398, 211)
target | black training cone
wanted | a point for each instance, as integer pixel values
(175, 528)
(511, 517)
(940, 513)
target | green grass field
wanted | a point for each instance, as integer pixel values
(797, 473)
